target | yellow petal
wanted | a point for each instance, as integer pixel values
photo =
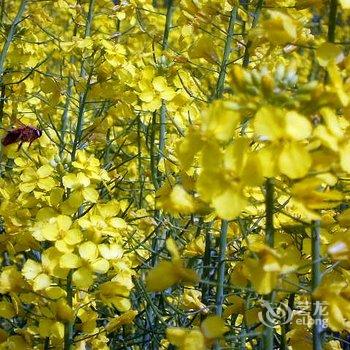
(100, 265)
(159, 83)
(213, 327)
(297, 126)
(161, 277)
(46, 184)
(327, 52)
(69, 181)
(345, 157)
(172, 248)
(27, 187)
(41, 282)
(31, 269)
(73, 237)
(88, 251)
(70, 261)
(229, 204)
(345, 4)
(294, 160)
(44, 171)
(82, 278)
(110, 251)
(90, 194)
(83, 180)
(63, 222)
(269, 123)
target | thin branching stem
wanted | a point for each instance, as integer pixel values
(316, 280)
(268, 336)
(221, 267)
(11, 35)
(226, 56)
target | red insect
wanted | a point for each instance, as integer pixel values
(24, 133)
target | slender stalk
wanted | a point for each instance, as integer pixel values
(139, 161)
(156, 175)
(69, 326)
(89, 18)
(156, 157)
(246, 56)
(11, 35)
(221, 267)
(162, 137)
(268, 341)
(227, 51)
(79, 128)
(83, 96)
(332, 20)
(316, 279)
(87, 33)
(153, 163)
(206, 265)
(168, 20)
(163, 109)
(2, 103)
(65, 115)
(269, 209)
(64, 119)
(224, 224)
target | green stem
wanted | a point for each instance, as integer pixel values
(168, 20)
(69, 326)
(268, 341)
(163, 109)
(10, 36)
(316, 279)
(79, 128)
(221, 267)
(89, 18)
(139, 161)
(269, 209)
(206, 266)
(162, 137)
(153, 163)
(246, 56)
(332, 20)
(227, 51)
(83, 96)
(2, 11)
(64, 119)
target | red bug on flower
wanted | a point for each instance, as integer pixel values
(24, 133)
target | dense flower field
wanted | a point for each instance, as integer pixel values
(175, 174)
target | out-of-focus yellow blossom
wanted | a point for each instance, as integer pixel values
(285, 130)
(119, 321)
(168, 273)
(191, 300)
(115, 293)
(263, 272)
(11, 280)
(335, 295)
(175, 200)
(211, 328)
